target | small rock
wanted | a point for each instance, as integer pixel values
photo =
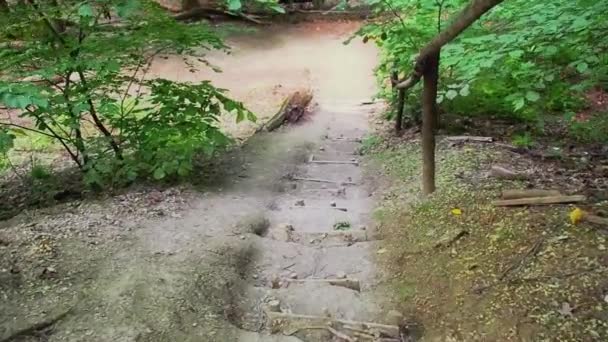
(394, 317)
(381, 251)
(321, 148)
(194, 324)
(566, 309)
(242, 237)
(255, 276)
(274, 305)
(332, 203)
(293, 275)
(312, 241)
(326, 312)
(341, 275)
(275, 281)
(300, 203)
(363, 228)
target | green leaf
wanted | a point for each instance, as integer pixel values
(85, 10)
(159, 174)
(582, 67)
(516, 53)
(127, 8)
(519, 103)
(278, 8)
(240, 116)
(532, 96)
(234, 5)
(465, 91)
(451, 94)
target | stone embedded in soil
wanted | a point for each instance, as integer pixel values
(293, 275)
(274, 305)
(300, 203)
(275, 281)
(332, 203)
(341, 275)
(394, 317)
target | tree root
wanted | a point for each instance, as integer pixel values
(36, 328)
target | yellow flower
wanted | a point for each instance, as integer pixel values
(456, 212)
(576, 215)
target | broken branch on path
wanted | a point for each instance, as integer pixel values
(540, 200)
(292, 109)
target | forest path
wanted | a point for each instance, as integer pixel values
(260, 234)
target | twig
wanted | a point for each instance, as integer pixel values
(289, 266)
(334, 162)
(540, 200)
(320, 208)
(340, 335)
(514, 266)
(319, 180)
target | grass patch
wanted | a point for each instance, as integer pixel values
(478, 287)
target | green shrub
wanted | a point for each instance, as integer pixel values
(594, 130)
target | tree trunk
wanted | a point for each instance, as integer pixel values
(3, 6)
(400, 101)
(429, 120)
(400, 110)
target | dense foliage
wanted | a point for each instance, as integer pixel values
(76, 71)
(529, 61)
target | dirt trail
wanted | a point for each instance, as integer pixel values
(207, 273)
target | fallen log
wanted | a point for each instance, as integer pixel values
(286, 322)
(466, 138)
(210, 13)
(540, 200)
(526, 193)
(291, 110)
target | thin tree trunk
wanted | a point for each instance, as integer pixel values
(429, 119)
(400, 101)
(400, 110)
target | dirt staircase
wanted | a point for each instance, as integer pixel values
(315, 275)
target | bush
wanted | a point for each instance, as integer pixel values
(74, 78)
(524, 60)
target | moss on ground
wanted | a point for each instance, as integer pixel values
(519, 274)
